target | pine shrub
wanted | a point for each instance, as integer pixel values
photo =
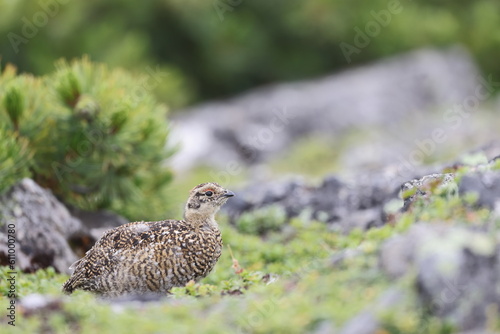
(96, 137)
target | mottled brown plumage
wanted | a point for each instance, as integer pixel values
(153, 257)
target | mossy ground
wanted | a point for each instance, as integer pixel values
(282, 279)
(282, 282)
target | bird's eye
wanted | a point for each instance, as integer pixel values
(209, 193)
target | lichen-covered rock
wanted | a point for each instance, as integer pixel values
(486, 185)
(457, 270)
(41, 227)
(483, 180)
(422, 187)
(341, 204)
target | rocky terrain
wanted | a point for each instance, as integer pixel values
(427, 234)
(455, 266)
(397, 96)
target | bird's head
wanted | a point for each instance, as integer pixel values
(205, 200)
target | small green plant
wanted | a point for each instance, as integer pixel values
(14, 105)
(15, 158)
(263, 220)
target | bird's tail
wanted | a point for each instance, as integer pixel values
(74, 281)
(69, 286)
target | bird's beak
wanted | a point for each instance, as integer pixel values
(228, 193)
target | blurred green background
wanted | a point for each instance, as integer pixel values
(214, 49)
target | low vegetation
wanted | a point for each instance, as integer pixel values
(291, 277)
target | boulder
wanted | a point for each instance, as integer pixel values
(483, 180)
(393, 93)
(97, 222)
(422, 187)
(341, 204)
(367, 321)
(41, 227)
(486, 186)
(457, 270)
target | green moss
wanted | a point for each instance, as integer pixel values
(314, 156)
(262, 221)
(284, 281)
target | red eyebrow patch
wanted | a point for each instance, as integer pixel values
(209, 189)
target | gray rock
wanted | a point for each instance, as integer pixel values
(490, 150)
(457, 270)
(396, 256)
(486, 185)
(419, 188)
(367, 321)
(42, 226)
(345, 205)
(36, 303)
(392, 93)
(482, 180)
(367, 200)
(97, 222)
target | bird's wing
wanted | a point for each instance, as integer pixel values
(125, 240)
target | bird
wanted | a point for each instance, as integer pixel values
(153, 257)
